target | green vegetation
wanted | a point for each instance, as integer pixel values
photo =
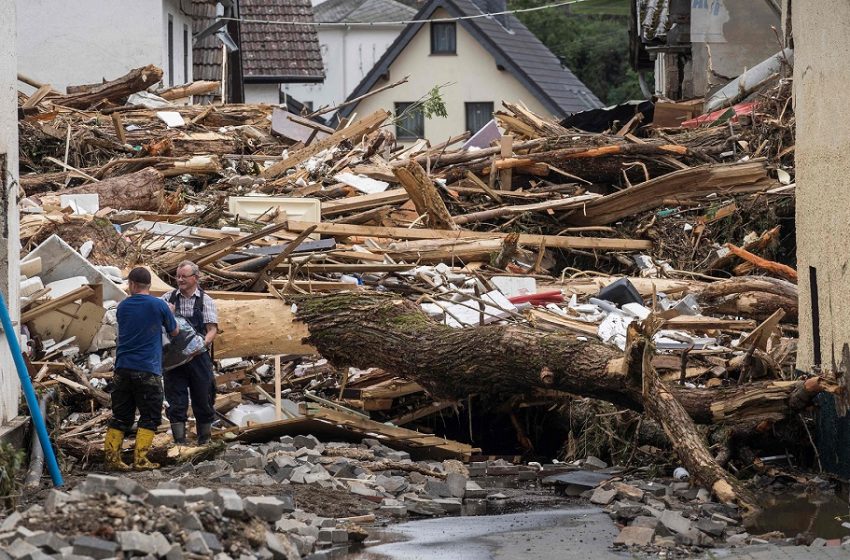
(591, 39)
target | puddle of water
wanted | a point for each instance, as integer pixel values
(576, 533)
(802, 513)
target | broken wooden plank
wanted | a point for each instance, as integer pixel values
(552, 241)
(750, 176)
(363, 202)
(353, 132)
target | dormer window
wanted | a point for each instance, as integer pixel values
(443, 37)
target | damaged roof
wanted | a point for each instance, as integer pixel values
(273, 53)
(514, 48)
(361, 11)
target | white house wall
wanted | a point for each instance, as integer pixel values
(66, 42)
(262, 93)
(348, 53)
(9, 232)
(471, 76)
(181, 21)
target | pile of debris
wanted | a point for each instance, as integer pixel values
(364, 286)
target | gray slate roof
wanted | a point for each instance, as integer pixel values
(361, 11)
(514, 48)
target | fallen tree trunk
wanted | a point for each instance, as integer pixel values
(501, 361)
(662, 406)
(142, 190)
(257, 327)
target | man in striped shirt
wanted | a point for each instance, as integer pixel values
(194, 379)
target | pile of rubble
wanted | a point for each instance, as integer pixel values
(557, 244)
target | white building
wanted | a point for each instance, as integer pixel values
(479, 61)
(86, 41)
(349, 51)
(10, 391)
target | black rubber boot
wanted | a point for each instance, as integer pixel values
(178, 432)
(204, 433)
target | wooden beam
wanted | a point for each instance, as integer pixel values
(363, 202)
(552, 241)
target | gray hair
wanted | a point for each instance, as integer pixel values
(195, 270)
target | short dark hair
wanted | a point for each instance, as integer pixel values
(140, 275)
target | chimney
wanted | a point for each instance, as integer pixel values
(496, 6)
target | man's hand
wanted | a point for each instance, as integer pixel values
(172, 307)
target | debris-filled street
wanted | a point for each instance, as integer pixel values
(550, 337)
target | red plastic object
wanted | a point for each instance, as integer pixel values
(740, 109)
(540, 298)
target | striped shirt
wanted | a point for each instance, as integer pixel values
(186, 306)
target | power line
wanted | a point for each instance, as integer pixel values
(403, 22)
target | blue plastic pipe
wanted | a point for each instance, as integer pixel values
(29, 393)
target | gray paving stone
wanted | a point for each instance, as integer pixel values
(48, 541)
(136, 542)
(94, 547)
(230, 502)
(129, 487)
(199, 494)
(635, 536)
(674, 521)
(169, 497)
(267, 508)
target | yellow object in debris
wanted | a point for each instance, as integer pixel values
(144, 439)
(112, 450)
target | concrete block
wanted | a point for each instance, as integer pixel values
(594, 463)
(392, 484)
(191, 522)
(628, 492)
(230, 503)
(645, 521)
(310, 442)
(199, 494)
(212, 541)
(98, 549)
(457, 484)
(474, 490)
(10, 522)
(336, 536)
(129, 487)
(267, 508)
(710, 527)
(161, 544)
(166, 497)
(437, 488)
(21, 550)
(197, 544)
(135, 542)
(48, 541)
(281, 547)
(450, 505)
(397, 456)
(635, 536)
(676, 523)
(603, 497)
(99, 484)
(288, 525)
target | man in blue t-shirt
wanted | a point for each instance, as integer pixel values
(138, 371)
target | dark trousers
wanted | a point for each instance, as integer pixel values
(194, 380)
(136, 390)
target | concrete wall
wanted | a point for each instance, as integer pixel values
(728, 37)
(86, 41)
(348, 53)
(821, 75)
(9, 240)
(472, 75)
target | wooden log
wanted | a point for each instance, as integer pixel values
(425, 196)
(258, 327)
(685, 184)
(135, 80)
(198, 87)
(752, 296)
(142, 190)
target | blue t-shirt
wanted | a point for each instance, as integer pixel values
(140, 321)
